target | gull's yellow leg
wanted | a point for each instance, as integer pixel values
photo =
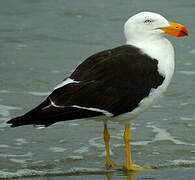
(109, 163)
(129, 165)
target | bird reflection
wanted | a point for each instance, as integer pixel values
(129, 175)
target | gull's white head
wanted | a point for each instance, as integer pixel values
(148, 25)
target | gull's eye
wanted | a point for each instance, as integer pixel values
(147, 21)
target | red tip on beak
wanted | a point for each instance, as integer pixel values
(183, 32)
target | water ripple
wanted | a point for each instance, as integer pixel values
(4, 110)
(163, 135)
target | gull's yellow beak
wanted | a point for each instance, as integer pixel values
(175, 29)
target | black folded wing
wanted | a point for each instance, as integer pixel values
(109, 83)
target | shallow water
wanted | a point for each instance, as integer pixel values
(41, 42)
